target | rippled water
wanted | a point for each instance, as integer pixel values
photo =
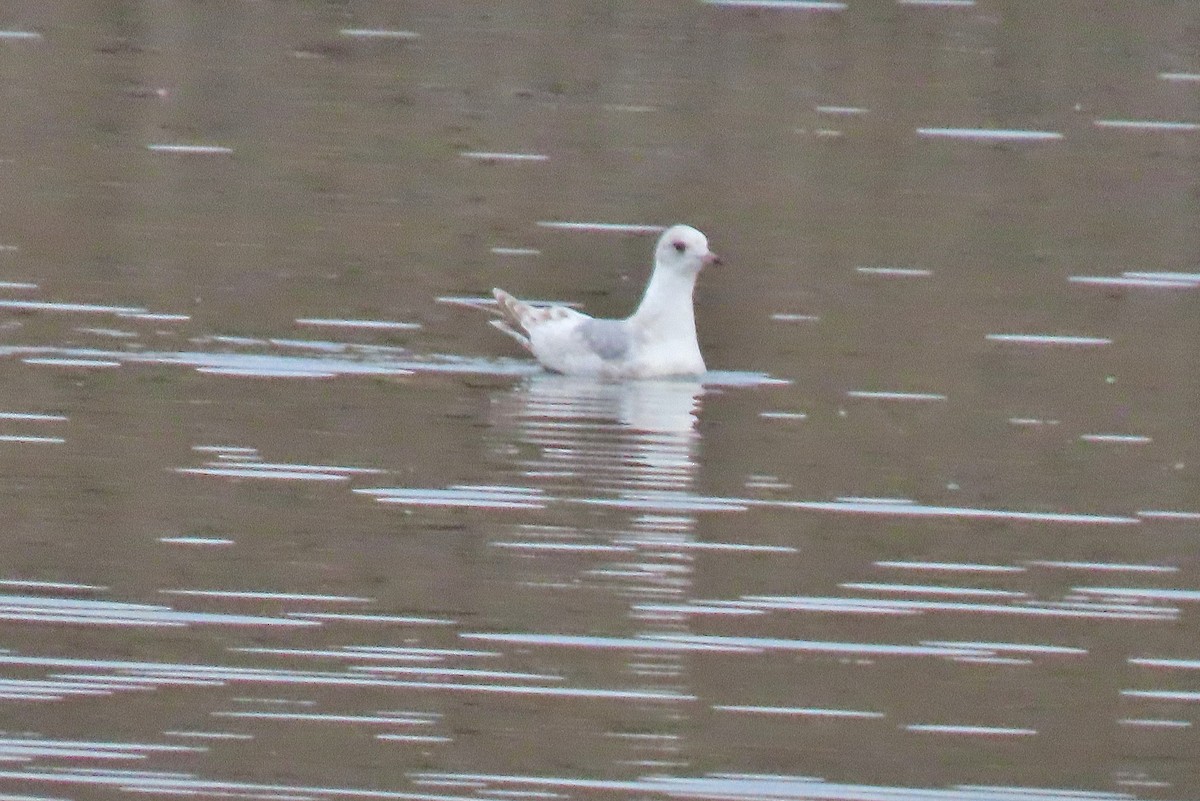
(286, 520)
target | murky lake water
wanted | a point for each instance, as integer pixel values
(285, 519)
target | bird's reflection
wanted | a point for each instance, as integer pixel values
(630, 434)
(581, 440)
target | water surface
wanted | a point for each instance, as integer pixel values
(287, 520)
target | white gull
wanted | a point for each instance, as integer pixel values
(657, 340)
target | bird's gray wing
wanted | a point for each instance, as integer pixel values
(608, 339)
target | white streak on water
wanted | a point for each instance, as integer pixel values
(988, 731)
(371, 324)
(1013, 647)
(708, 546)
(906, 272)
(252, 472)
(783, 5)
(1182, 664)
(114, 613)
(390, 619)
(31, 440)
(274, 701)
(438, 498)
(640, 644)
(1181, 279)
(16, 284)
(96, 749)
(266, 372)
(1187, 278)
(766, 482)
(245, 467)
(623, 228)
(1155, 723)
(50, 585)
(865, 499)
(1032, 421)
(1109, 566)
(379, 33)
(47, 361)
(348, 653)
(550, 692)
(421, 652)
(785, 317)
(676, 610)
(39, 690)
(232, 340)
(920, 510)
(156, 316)
(881, 606)
(783, 415)
(563, 547)
(209, 735)
(82, 308)
(667, 501)
(196, 150)
(255, 595)
(323, 717)
(500, 251)
(900, 396)
(1048, 339)
(1180, 76)
(496, 497)
(483, 155)
(809, 646)
(841, 110)
(1148, 125)
(629, 108)
(1129, 281)
(20, 35)
(195, 541)
(314, 468)
(799, 711)
(1168, 515)
(1129, 439)
(1141, 593)
(471, 673)
(107, 332)
(925, 589)
(953, 567)
(990, 134)
(1163, 695)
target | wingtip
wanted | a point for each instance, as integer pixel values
(501, 325)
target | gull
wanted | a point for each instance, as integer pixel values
(657, 340)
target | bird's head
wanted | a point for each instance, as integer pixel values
(683, 249)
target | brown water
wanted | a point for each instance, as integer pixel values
(280, 523)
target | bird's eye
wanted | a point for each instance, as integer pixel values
(679, 247)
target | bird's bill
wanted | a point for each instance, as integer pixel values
(711, 258)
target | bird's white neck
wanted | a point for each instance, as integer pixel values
(666, 307)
